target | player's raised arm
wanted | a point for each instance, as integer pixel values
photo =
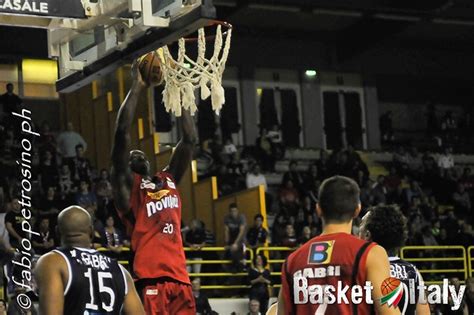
(51, 275)
(121, 177)
(132, 304)
(183, 153)
(378, 269)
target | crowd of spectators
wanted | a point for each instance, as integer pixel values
(448, 128)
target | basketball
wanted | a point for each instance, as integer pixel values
(389, 284)
(150, 69)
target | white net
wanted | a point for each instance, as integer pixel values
(183, 75)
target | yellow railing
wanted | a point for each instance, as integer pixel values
(470, 260)
(436, 260)
(440, 259)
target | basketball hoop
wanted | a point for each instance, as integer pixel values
(183, 75)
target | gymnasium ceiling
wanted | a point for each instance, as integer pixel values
(357, 24)
(352, 26)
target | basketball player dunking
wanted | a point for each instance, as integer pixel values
(77, 280)
(334, 258)
(386, 225)
(150, 206)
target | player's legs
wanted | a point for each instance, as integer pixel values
(168, 298)
(182, 302)
(155, 299)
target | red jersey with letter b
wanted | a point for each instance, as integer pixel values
(313, 275)
(156, 233)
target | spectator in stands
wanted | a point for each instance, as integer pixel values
(256, 178)
(67, 142)
(48, 139)
(310, 177)
(466, 235)
(202, 303)
(414, 162)
(308, 206)
(264, 151)
(10, 103)
(50, 205)
(225, 181)
(323, 164)
(260, 279)
(359, 172)
(290, 239)
(195, 239)
(467, 180)
(278, 229)
(257, 234)
(386, 129)
(428, 238)
(66, 183)
(3, 307)
(450, 224)
(254, 307)
(379, 191)
(414, 190)
(305, 236)
(446, 160)
(82, 165)
(294, 175)
(462, 202)
(98, 226)
(234, 232)
(48, 171)
(392, 181)
(276, 140)
(448, 127)
(229, 150)
(112, 237)
(44, 242)
(103, 191)
(400, 160)
(84, 197)
(442, 238)
(289, 199)
(13, 220)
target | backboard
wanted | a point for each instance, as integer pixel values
(91, 38)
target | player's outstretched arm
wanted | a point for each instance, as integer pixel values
(183, 153)
(132, 304)
(121, 177)
(378, 269)
(51, 275)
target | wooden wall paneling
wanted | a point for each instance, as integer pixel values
(204, 200)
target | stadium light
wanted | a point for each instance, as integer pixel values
(310, 73)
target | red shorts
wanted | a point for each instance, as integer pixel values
(168, 298)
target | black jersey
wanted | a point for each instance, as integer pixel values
(410, 277)
(96, 285)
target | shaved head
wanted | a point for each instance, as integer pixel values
(75, 227)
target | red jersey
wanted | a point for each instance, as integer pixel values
(156, 232)
(327, 263)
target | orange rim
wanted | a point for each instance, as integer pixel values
(227, 25)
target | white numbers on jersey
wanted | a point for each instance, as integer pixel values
(102, 289)
(168, 229)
